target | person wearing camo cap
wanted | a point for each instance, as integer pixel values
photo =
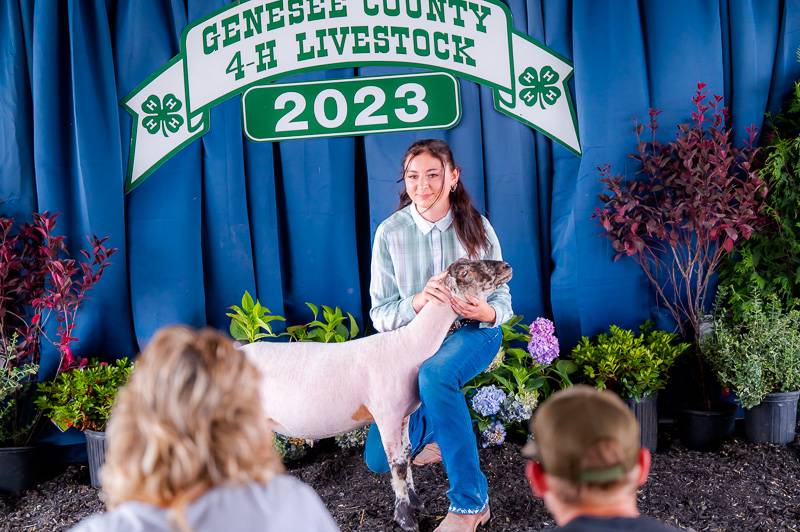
(586, 462)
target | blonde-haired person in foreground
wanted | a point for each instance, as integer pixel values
(189, 447)
(586, 462)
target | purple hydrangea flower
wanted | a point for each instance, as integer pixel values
(495, 434)
(543, 345)
(542, 327)
(488, 400)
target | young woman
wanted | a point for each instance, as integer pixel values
(435, 225)
(189, 447)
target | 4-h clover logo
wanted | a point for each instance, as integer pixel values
(162, 116)
(539, 87)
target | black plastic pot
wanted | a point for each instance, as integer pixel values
(705, 430)
(96, 451)
(774, 420)
(646, 413)
(17, 468)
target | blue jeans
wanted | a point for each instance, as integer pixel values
(444, 417)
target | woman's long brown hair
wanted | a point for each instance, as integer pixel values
(466, 218)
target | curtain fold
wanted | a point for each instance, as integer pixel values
(164, 215)
(77, 154)
(289, 221)
(17, 184)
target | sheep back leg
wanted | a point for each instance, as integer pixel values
(399, 457)
(413, 499)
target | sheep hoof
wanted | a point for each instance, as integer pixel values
(414, 501)
(404, 517)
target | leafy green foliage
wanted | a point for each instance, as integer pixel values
(251, 321)
(355, 439)
(291, 448)
(330, 329)
(631, 365)
(82, 397)
(518, 374)
(771, 258)
(755, 350)
(15, 380)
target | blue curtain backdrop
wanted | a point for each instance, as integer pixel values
(293, 222)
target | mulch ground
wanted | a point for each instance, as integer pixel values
(743, 486)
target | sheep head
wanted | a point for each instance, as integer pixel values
(477, 278)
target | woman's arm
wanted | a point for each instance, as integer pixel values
(389, 311)
(500, 299)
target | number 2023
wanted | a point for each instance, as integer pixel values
(410, 107)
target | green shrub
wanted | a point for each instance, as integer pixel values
(15, 382)
(291, 449)
(755, 350)
(82, 397)
(771, 258)
(633, 366)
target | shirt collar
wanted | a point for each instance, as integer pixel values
(425, 226)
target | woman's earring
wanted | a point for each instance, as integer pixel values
(453, 188)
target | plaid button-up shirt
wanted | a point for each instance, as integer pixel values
(408, 250)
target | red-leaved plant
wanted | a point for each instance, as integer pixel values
(38, 280)
(699, 195)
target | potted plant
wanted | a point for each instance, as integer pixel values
(16, 458)
(766, 266)
(82, 397)
(524, 372)
(633, 366)
(38, 282)
(757, 355)
(699, 196)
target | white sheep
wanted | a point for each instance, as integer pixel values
(316, 390)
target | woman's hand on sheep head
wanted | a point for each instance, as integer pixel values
(435, 290)
(474, 309)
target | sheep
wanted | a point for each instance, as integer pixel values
(313, 390)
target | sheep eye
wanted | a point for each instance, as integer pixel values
(464, 273)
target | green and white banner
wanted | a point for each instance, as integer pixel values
(255, 42)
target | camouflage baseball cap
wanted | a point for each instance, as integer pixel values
(585, 436)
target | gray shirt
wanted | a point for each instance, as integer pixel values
(284, 503)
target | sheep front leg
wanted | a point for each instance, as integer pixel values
(399, 458)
